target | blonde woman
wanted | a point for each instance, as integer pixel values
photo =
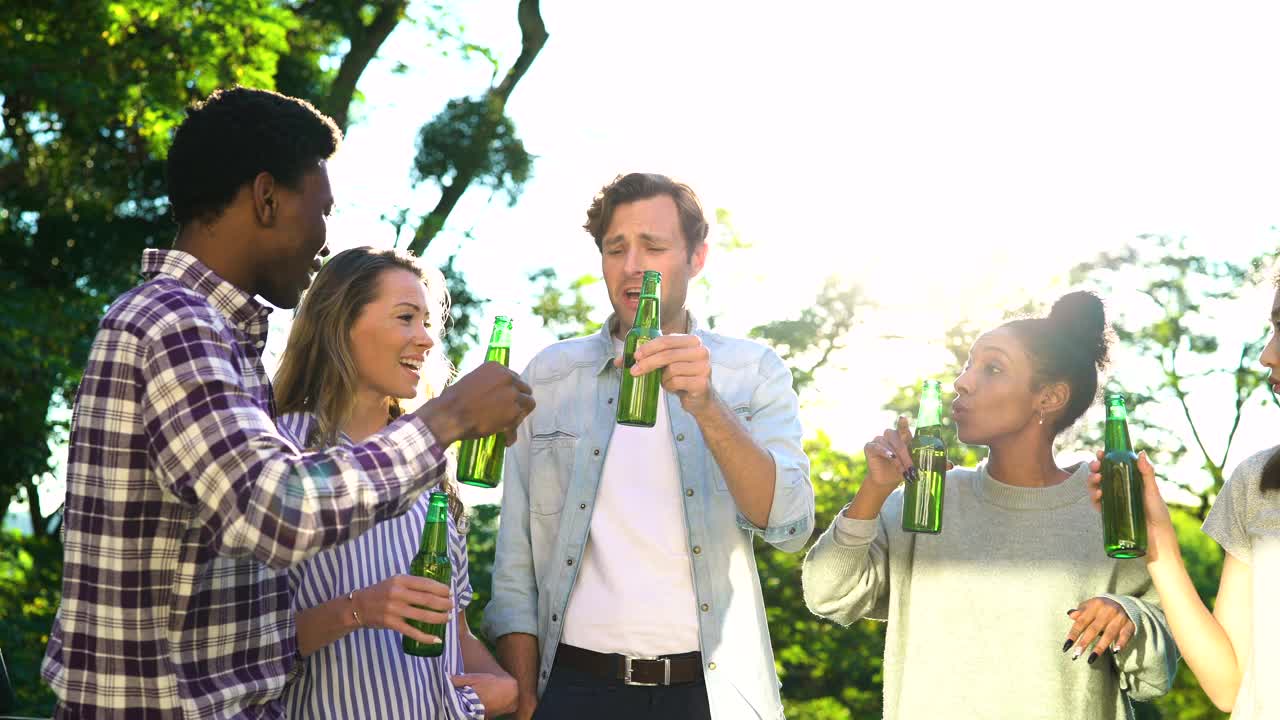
(366, 338)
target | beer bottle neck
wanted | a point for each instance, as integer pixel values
(501, 336)
(930, 413)
(647, 313)
(1116, 430)
(435, 533)
(1117, 434)
(435, 538)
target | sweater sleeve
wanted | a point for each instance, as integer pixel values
(1147, 665)
(846, 573)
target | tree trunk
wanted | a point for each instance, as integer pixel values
(38, 520)
(365, 42)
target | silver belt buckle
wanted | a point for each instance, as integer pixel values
(626, 671)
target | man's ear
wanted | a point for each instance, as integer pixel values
(699, 259)
(265, 201)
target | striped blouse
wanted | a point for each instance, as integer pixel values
(365, 674)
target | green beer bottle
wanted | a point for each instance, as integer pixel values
(432, 561)
(922, 493)
(638, 397)
(1124, 520)
(480, 461)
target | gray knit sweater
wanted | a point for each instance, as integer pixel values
(978, 614)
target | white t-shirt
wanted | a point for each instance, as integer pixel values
(1255, 696)
(1246, 523)
(634, 594)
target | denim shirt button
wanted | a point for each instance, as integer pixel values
(596, 452)
(688, 492)
(680, 437)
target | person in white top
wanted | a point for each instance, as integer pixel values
(624, 584)
(637, 543)
(1232, 650)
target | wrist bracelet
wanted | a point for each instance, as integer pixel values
(354, 614)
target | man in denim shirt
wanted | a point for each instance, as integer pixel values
(625, 583)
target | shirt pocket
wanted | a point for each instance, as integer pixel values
(741, 411)
(551, 458)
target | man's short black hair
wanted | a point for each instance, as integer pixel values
(234, 135)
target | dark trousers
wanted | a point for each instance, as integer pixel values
(575, 695)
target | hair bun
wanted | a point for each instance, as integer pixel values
(1081, 318)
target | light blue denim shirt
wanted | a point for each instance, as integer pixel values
(549, 489)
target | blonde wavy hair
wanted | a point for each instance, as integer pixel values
(318, 373)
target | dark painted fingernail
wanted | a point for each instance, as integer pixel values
(1070, 611)
(1067, 645)
(1092, 656)
(911, 475)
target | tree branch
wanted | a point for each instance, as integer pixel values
(38, 520)
(533, 36)
(365, 41)
(1175, 384)
(826, 355)
(1242, 394)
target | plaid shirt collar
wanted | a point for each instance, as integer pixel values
(241, 308)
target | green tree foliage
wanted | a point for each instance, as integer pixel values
(91, 93)
(565, 311)
(482, 541)
(730, 238)
(808, 342)
(473, 134)
(463, 330)
(30, 581)
(826, 671)
(1175, 332)
(362, 26)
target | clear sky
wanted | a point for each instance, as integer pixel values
(953, 158)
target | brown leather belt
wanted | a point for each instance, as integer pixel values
(647, 671)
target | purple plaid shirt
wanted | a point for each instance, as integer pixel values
(185, 505)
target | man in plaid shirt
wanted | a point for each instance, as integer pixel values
(184, 504)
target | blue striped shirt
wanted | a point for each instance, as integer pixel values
(366, 674)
